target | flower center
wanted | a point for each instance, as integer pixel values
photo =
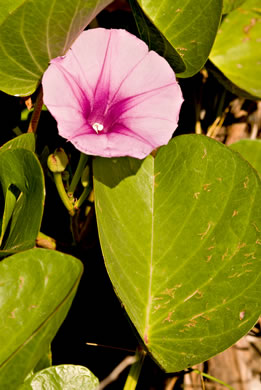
(97, 127)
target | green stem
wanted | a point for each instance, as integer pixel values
(62, 193)
(221, 103)
(135, 370)
(77, 175)
(82, 198)
(214, 379)
(74, 228)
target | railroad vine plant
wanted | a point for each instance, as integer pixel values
(178, 216)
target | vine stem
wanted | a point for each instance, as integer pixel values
(82, 198)
(62, 193)
(135, 370)
(77, 175)
(37, 112)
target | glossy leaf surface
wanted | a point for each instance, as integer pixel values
(22, 184)
(34, 33)
(236, 51)
(63, 377)
(37, 287)
(251, 150)
(189, 27)
(181, 240)
(155, 39)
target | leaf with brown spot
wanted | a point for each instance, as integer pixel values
(236, 52)
(161, 239)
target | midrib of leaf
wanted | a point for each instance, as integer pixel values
(133, 244)
(149, 303)
(119, 218)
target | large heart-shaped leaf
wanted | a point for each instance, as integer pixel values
(34, 33)
(63, 377)
(22, 183)
(236, 51)
(37, 288)
(250, 149)
(180, 234)
(189, 27)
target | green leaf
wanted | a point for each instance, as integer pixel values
(37, 288)
(250, 149)
(155, 40)
(34, 33)
(226, 83)
(180, 235)
(11, 196)
(230, 5)
(189, 27)
(63, 377)
(24, 141)
(22, 183)
(236, 50)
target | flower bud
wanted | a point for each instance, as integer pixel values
(85, 178)
(58, 161)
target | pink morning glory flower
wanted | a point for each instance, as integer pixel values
(111, 96)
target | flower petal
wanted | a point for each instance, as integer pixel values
(110, 79)
(152, 93)
(65, 100)
(100, 59)
(112, 145)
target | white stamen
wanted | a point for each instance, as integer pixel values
(97, 127)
